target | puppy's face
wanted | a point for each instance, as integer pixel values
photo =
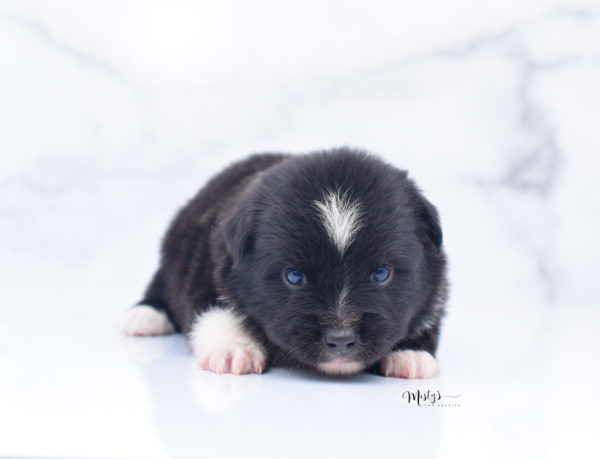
(336, 270)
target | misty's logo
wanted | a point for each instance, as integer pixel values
(430, 398)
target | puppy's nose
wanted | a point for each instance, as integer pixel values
(340, 341)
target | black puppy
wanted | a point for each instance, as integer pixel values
(331, 260)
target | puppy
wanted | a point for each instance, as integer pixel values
(331, 261)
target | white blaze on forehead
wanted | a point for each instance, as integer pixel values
(340, 217)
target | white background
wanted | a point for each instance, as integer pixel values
(113, 113)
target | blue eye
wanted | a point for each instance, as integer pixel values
(295, 277)
(381, 275)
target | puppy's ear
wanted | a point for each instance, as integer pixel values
(239, 233)
(429, 219)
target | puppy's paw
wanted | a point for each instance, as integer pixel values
(222, 345)
(410, 365)
(145, 320)
(239, 359)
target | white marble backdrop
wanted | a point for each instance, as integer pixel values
(114, 112)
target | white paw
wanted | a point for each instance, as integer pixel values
(144, 320)
(238, 359)
(410, 365)
(222, 345)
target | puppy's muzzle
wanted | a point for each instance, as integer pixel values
(340, 341)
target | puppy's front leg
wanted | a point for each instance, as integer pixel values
(221, 343)
(413, 359)
(410, 364)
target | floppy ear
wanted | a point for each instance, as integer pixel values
(429, 220)
(239, 233)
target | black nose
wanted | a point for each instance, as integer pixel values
(340, 341)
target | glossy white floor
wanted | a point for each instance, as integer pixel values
(71, 387)
(113, 114)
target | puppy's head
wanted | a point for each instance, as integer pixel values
(337, 257)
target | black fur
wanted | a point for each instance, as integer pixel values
(237, 236)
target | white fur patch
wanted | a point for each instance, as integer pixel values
(341, 305)
(145, 320)
(222, 345)
(340, 367)
(340, 217)
(410, 365)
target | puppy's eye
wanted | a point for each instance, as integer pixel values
(295, 277)
(382, 275)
